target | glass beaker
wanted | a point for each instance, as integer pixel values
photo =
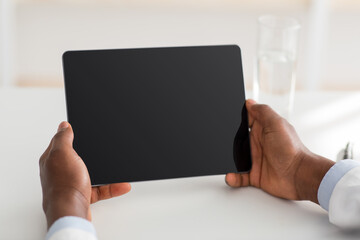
(274, 82)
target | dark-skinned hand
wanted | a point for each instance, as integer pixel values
(65, 180)
(282, 165)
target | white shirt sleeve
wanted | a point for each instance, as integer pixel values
(71, 228)
(339, 193)
(344, 206)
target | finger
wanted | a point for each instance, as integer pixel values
(237, 179)
(249, 104)
(62, 126)
(64, 136)
(109, 191)
(263, 114)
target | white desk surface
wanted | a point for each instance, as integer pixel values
(191, 208)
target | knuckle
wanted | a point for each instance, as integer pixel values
(57, 136)
(42, 159)
(56, 153)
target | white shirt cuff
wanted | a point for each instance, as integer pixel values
(73, 223)
(331, 178)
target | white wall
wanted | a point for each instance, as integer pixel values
(45, 31)
(342, 58)
(7, 9)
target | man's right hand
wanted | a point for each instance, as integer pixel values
(282, 165)
(66, 182)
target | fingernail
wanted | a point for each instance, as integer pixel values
(64, 125)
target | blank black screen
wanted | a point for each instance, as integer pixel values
(157, 113)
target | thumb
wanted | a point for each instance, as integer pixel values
(63, 126)
(64, 136)
(264, 114)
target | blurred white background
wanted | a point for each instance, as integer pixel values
(35, 33)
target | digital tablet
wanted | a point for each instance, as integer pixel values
(158, 113)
